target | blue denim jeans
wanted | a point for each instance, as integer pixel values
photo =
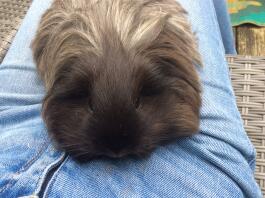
(224, 23)
(217, 162)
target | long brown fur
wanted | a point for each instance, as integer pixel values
(119, 75)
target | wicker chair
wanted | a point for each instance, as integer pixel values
(248, 79)
(247, 74)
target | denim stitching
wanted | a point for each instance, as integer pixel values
(50, 166)
(25, 167)
(53, 179)
(41, 177)
(214, 19)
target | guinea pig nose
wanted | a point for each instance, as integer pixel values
(118, 154)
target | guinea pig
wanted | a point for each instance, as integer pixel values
(120, 76)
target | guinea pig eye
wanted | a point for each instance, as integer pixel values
(137, 102)
(152, 85)
(76, 95)
(90, 104)
(147, 91)
(77, 98)
(150, 90)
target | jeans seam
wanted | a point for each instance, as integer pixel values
(215, 21)
(53, 179)
(252, 158)
(41, 180)
(24, 168)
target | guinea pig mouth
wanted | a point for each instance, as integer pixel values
(117, 155)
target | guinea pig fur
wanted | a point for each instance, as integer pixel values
(120, 76)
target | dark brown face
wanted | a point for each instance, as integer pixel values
(121, 106)
(119, 75)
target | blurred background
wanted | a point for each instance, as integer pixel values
(248, 20)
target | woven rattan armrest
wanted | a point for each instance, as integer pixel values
(248, 79)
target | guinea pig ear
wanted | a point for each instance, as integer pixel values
(43, 46)
(175, 49)
(146, 32)
(176, 43)
(163, 30)
(41, 38)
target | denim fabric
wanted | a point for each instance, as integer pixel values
(224, 22)
(217, 162)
